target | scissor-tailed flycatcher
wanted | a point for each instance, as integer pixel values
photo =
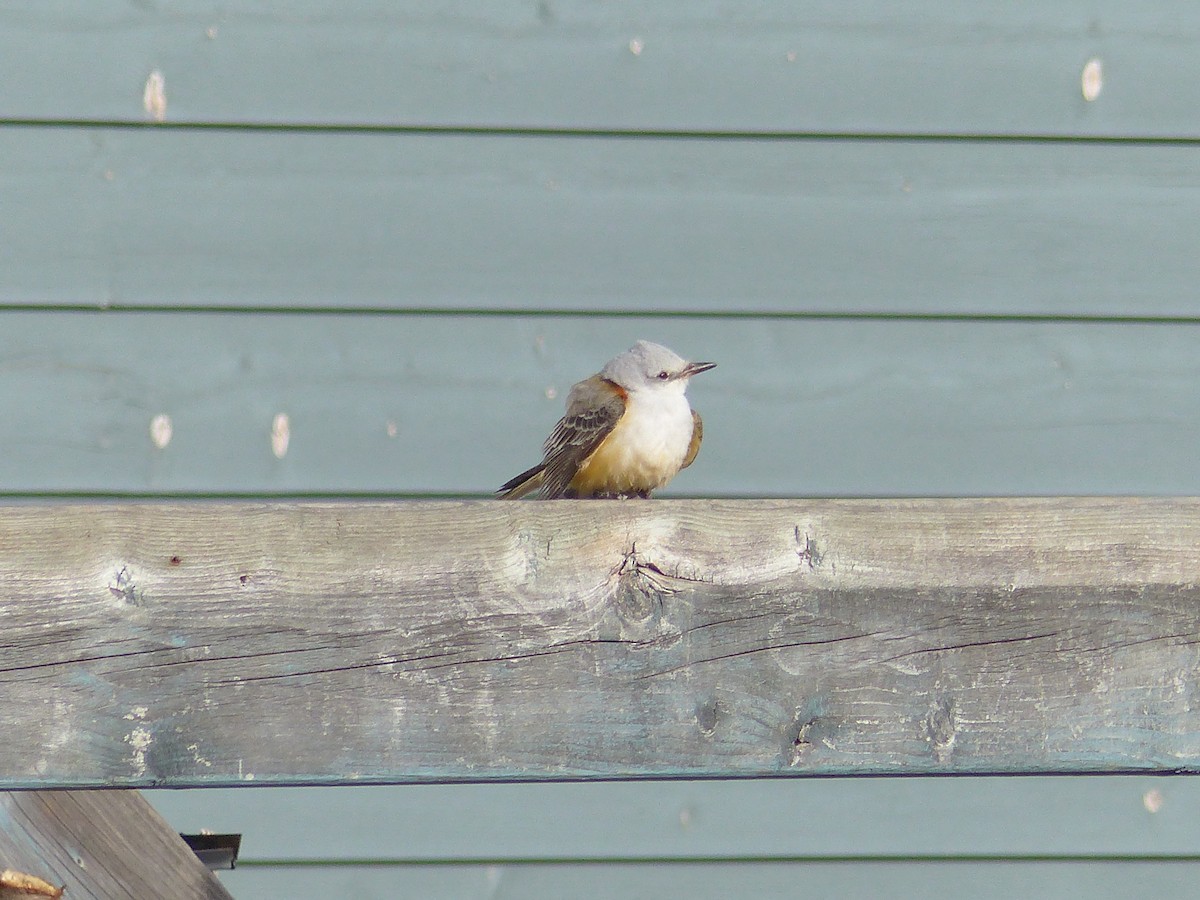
(627, 431)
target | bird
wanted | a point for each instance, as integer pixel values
(628, 430)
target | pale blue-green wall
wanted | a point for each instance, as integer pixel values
(925, 262)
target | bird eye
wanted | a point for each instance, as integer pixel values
(664, 375)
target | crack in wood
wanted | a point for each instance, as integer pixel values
(129, 654)
(57, 663)
(633, 564)
(754, 650)
(1187, 639)
(674, 576)
(398, 661)
(589, 642)
(351, 667)
(730, 621)
(970, 644)
(232, 657)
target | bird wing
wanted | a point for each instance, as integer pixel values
(525, 483)
(594, 407)
(697, 437)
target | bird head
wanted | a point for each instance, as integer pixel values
(649, 366)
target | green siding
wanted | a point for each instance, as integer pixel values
(165, 218)
(351, 200)
(1062, 817)
(795, 407)
(842, 880)
(993, 68)
(973, 837)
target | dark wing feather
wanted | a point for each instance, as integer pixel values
(593, 408)
(525, 483)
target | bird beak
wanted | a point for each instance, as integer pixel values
(696, 368)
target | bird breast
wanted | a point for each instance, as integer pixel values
(646, 448)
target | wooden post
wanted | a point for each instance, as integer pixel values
(225, 643)
(98, 845)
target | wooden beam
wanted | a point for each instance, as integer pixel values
(231, 643)
(98, 845)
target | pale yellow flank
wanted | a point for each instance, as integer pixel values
(633, 458)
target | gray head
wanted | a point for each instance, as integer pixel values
(651, 366)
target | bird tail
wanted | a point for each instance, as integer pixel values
(525, 483)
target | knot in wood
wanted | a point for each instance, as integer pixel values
(641, 587)
(709, 714)
(124, 589)
(803, 735)
(941, 728)
(807, 550)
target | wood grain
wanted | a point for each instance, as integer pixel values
(918, 68)
(100, 845)
(286, 220)
(225, 643)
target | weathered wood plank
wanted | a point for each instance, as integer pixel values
(226, 643)
(1068, 816)
(396, 404)
(476, 222)
(100, 845)
(842, 880)
(820, 66)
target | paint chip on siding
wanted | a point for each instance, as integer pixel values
(160, 430)
(1092, 80)
(281, 435)
(154, 96)
(1152, 800)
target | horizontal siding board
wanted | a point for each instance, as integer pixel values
(825, 66)
(876, 817)
(834, 880)
(795, 407)
(473, 222)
